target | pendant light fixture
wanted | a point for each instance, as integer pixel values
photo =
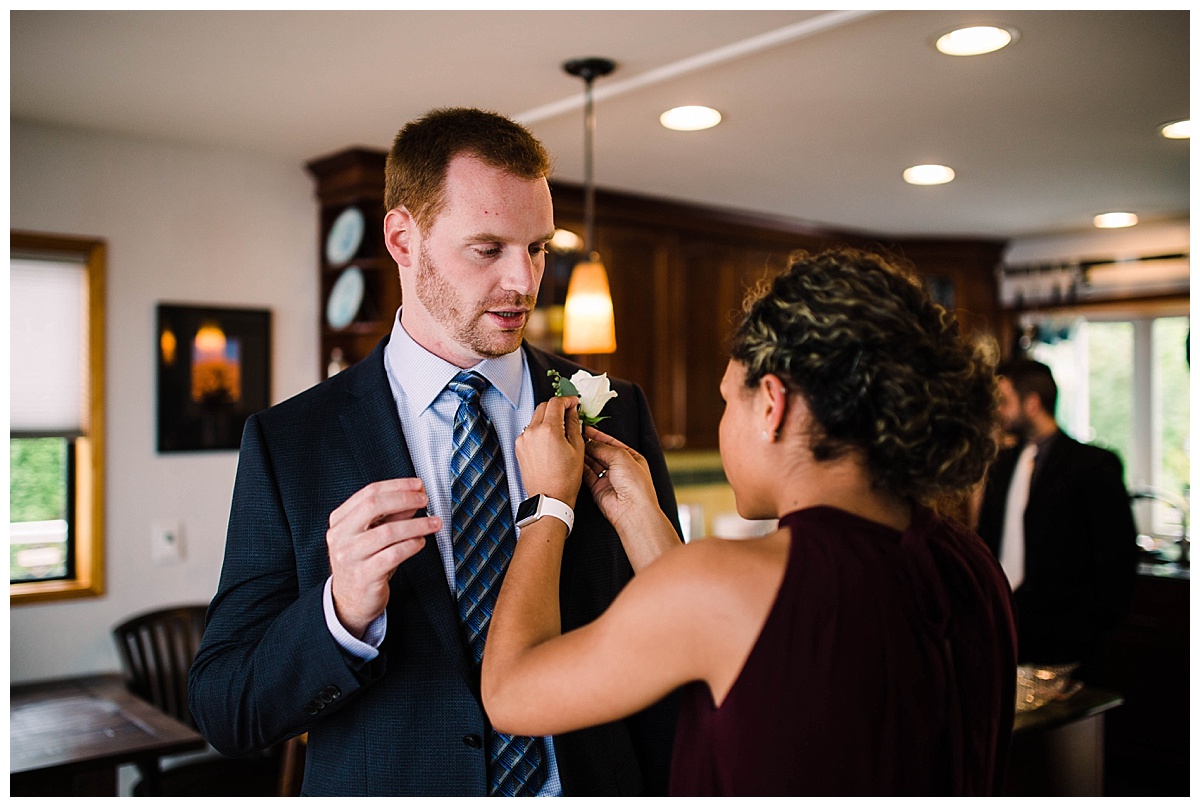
(588, 313)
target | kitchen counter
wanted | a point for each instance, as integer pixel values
(1058, 748)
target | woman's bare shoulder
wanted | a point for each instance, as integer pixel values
(720, 551)
(698, 571)
(713, 596)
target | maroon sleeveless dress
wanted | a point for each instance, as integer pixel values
(886, 666)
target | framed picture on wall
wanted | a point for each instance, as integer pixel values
(214, 371)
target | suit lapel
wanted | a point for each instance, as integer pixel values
(543, 389)
(1057, 453)
(1004, 467)
(377, 442)
(379, 447)
(588, 520)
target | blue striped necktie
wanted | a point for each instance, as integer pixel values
(484, 539)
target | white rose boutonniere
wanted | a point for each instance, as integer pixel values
(593, 391)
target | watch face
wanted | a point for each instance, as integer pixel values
(528, 507)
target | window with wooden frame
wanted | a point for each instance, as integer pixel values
(56, 423)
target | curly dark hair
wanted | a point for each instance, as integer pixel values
(882, 367)
(415, 171)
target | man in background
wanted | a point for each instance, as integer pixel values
(362, 556)
(1056, 514)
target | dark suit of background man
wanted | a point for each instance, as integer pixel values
(1073, 577)
(334, 616)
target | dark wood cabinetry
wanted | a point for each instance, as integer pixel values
(678, 274)
(352, 180)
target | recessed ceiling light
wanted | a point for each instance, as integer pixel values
(928, 174)
(1177, 130)
(975, 40)
(690, 118)
(1111, 221)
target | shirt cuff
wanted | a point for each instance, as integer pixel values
(366, 648)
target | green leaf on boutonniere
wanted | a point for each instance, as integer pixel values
(593, 392)
(563, 386)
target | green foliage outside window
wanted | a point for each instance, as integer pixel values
(1172, 375)
(37, 493)
(37, 479)
(1110, 354)
(1110, 388)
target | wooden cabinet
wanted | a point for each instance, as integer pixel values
(960, 274)
(1148, 742)
(678, 275)
(353, 181)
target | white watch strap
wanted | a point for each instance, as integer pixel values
(552, 507)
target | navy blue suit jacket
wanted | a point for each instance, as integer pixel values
(407, 722)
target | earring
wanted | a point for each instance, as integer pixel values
(767, 437)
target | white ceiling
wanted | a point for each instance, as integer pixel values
(823, 109)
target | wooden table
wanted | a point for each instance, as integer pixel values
(68, 736)
(1058, 748)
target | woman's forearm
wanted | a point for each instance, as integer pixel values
(646, 534)
(526, 615)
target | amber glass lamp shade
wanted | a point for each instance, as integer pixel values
(588, 313)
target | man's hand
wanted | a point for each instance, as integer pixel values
(369, 536)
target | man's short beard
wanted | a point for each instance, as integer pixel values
(445, 305)
(1019, 428)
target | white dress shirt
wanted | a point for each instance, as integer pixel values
(1012, 542)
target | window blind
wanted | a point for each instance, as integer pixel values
(48, 347)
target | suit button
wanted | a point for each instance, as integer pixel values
(473, 741)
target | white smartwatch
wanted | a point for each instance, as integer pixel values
(537, 506)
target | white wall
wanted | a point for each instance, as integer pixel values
(184, 225)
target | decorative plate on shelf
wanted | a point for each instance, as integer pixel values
(345, 298)
(345, 236)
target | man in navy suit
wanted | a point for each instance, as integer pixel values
(336, 613)
(1073, 561)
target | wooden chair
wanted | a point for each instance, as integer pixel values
(156, 650)
(291, 765)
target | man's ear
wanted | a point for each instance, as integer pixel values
(1031, 406)
(398, 227)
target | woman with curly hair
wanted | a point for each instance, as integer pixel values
(867, 646)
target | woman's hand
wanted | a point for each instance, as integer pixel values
(550, 450)
(618, 476)
(622, 487)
